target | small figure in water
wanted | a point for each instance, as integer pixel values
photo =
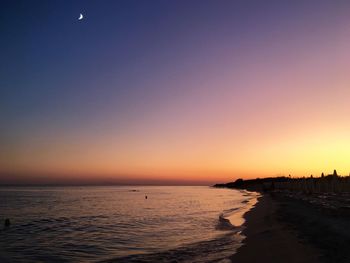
(146, 197)
(7, 222)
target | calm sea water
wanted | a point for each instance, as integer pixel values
(90, 224)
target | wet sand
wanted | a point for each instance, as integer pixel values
(271, 239)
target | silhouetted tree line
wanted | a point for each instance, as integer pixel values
(331, 183)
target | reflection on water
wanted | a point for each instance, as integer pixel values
(75, 224)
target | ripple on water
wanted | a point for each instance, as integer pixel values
(95, 223)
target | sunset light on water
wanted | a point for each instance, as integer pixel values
(185, 131)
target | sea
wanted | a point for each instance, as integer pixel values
(122, 223)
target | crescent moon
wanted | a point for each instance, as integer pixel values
(81, 17)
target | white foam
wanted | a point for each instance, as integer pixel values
(236, 216)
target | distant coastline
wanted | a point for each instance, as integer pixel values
(331, 183)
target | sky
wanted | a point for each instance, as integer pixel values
(173, 92)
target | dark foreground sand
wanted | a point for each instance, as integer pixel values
(272, 239)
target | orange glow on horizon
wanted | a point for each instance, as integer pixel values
(277, 104)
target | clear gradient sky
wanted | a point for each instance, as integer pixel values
(173, 91)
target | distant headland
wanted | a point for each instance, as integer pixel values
(331, 183)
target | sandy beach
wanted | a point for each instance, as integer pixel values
(269, 239)
(287, 226)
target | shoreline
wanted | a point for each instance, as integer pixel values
(270, 239)
(237, 219)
